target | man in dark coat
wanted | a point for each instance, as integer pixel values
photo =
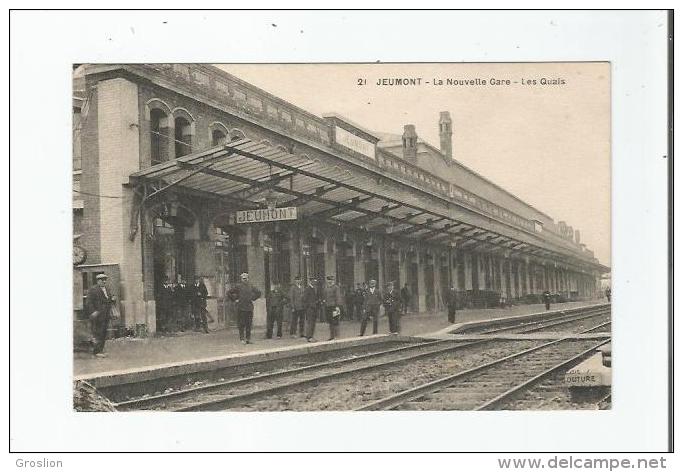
(405, 298)
(358, 298)
(164, 301)
(275, 302)
(99, 302)
(296, 302)
(244, 294)
(332, 301)
(451, 303)
(199, 295)
(371, 303)
(546, 299)
(608, 294)
(181, 302)
(312, 302)
(392, 307)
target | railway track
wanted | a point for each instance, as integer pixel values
(489, 385)
(545, 324)
(249, 388)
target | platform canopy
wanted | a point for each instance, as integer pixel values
(246, 173)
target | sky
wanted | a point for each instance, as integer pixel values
(549, 144)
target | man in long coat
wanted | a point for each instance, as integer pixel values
(99, 302)
(332, 301)
(244, 294)
(296, 302)
(371, 304)
(392, 307)
(451, 303)
(199, 296)
(312, 302)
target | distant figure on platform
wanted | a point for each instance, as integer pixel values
(608, 294)
(451, 303)
(371, 304)
(199, 295)
(392, 307)
(358, 298)
(99, 302)
(181, 304)
(244, 294)
(332, 301)
(296, 301)
(546, 299)
(164, 301)
(312, 303)
(275, 302)
(405, 299)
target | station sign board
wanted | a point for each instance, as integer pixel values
(265, 215)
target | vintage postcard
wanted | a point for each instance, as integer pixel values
(308, 237)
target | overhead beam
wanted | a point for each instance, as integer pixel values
(341, 208)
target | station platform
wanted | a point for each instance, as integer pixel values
(135, 353)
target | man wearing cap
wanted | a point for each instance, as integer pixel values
(99, 302)
(392, 307)
(199, 296)
(332, 301)
(296, 301)
(244, 294)
(371, 304)
(311, 303)
(275, 302)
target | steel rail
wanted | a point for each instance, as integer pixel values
(399, 398)
(563, 319)
(528, 383)
(179, 394)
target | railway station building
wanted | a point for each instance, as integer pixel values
(186, 170)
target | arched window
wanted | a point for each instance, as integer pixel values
(183, 137)
(218, 137)
(158, 136)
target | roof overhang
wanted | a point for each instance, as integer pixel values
(245, 172)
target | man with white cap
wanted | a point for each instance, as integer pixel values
(244, 294)
(99, 302)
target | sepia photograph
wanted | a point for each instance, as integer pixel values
(275, 237)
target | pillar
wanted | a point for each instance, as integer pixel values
(257, 276)
(295, 256)
(438, 301)
(421, 298)
(330, 257)
(118, 154)
(403, 262)
(467, 260)
(501, 276)
(358, 265)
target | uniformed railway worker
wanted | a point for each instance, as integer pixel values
(312, 302)
(99, 302)
(358, 298)
(392, 307)
(244, 294)
(332, 301)
(181, 304)
(546, 299)
(371, 304)
(451, 303)
(275, 302)
(165, 306)
(296, 301)
(199, 294)
(405, 298)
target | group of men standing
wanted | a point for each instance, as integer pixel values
(182, 306)
(308, 301)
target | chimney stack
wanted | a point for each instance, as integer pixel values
(446, 134)
(409, 142)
